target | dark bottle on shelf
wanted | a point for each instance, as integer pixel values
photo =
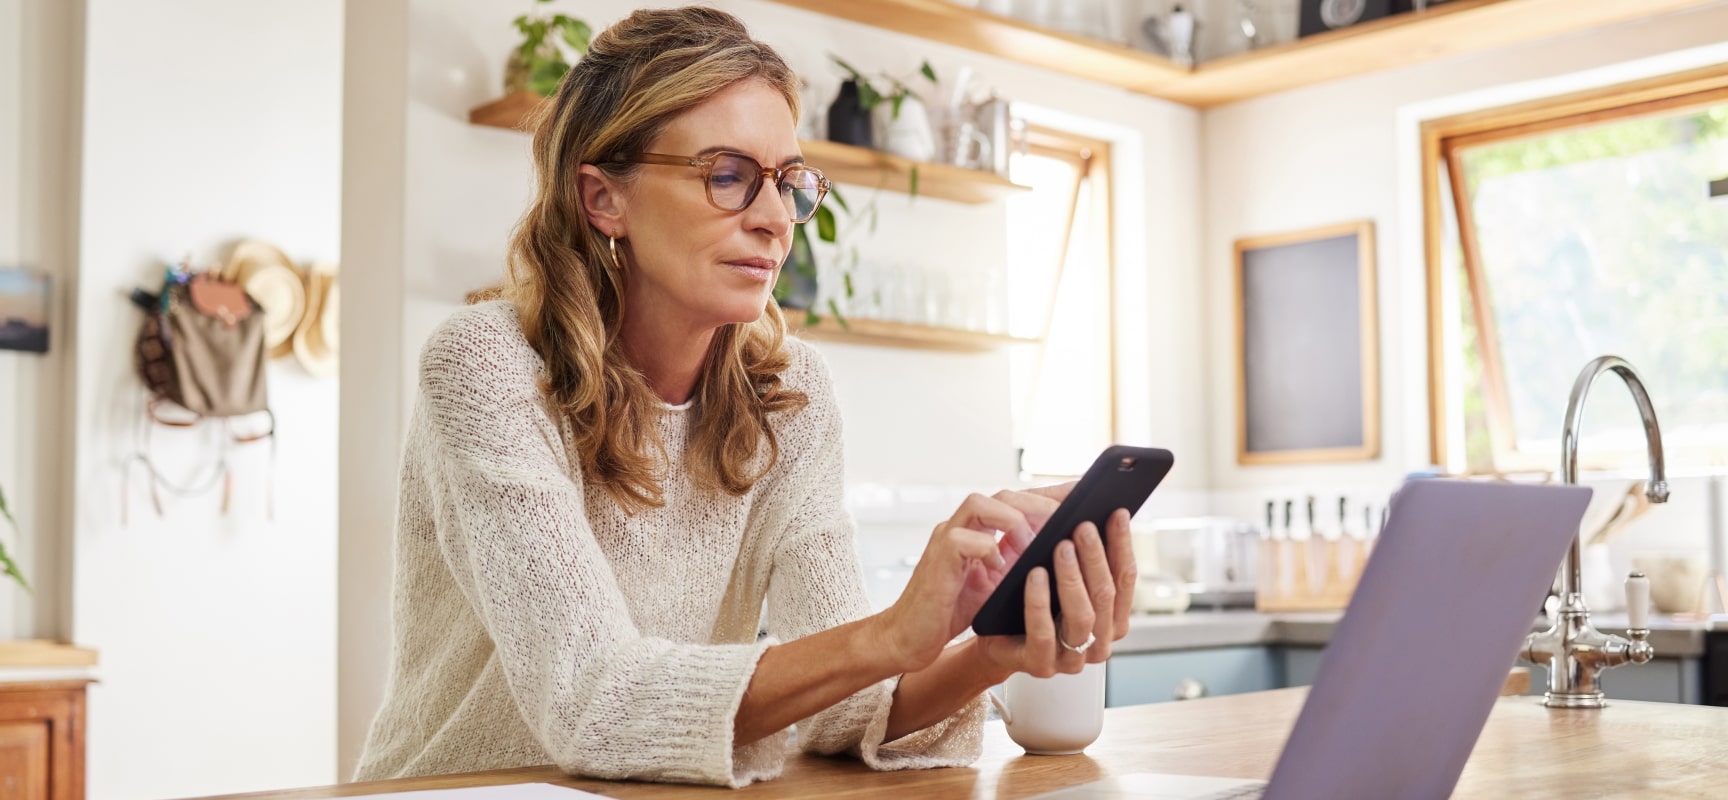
(849, 123)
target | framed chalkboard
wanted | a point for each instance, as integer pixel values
(1307, 349)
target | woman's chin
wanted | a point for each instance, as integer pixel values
(749, 316)
(744, 308)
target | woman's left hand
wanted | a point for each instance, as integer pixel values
(1095, 578)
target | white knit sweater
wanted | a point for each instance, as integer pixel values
(535, 622)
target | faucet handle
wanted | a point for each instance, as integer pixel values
(1638, 602)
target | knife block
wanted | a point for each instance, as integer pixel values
(1315, 574)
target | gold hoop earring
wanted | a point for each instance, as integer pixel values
(612, 245)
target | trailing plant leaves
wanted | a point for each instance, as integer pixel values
(533, 32)
(576, 32)
(802, 259)
(834, 192)
(834, 309)
(856, 75)
(6, 564)
(912, 191)
(826, 230)
(811, 319)
(868, 97)
(11, 569)
(545, 76)
(540, 55)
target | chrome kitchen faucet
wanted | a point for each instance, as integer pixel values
(1574, 652)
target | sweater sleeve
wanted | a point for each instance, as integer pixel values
(818, 583)
(601, 699)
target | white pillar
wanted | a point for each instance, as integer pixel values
(374, 138)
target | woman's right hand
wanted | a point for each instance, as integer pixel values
(961, 565)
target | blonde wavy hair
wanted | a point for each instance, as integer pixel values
(637, 76)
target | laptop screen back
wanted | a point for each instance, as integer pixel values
(1455, 582)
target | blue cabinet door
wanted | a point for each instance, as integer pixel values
(1136, 678)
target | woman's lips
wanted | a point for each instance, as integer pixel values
(760, 269)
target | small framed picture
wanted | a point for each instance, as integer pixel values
(23, 310)
(1307, 358)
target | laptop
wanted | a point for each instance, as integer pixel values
(1417, 662)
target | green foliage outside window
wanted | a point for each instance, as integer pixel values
(1600, 240)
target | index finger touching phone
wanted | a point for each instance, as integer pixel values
(1121, 478)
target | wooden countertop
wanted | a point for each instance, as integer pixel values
(1628, 750)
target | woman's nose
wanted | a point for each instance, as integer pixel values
(767, 212)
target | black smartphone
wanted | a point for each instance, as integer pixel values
(1122, 477)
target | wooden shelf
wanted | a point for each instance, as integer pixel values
(509, 111)
(1009, 38)
(842, 163)
(44, 653)
(899, 334)
(1454, 28)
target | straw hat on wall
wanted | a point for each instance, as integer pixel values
(275, 285)
(316, 340)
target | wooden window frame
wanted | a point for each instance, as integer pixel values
(1441, 140)
(1091, 158)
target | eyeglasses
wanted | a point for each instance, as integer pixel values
(734, 179)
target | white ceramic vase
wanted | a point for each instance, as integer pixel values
(907, 135)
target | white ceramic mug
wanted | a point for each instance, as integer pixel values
(1054, 716)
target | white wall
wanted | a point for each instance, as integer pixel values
(12, 365)
(39, 90)
(373, 180)
(205, 122)
(1346, 150)
(912, 417)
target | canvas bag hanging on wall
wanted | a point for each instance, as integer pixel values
(202, 347)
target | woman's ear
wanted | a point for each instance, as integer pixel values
(602, 200)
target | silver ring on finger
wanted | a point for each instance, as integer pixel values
(1091, 639)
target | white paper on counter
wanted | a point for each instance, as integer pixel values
(515, 791)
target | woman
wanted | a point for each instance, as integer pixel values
(616, 475)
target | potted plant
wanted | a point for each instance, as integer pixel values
(6, 564)
(900, 123)
(796, 288)
(539, 63)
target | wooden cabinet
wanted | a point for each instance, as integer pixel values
(42, 740)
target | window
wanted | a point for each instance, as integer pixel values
(1571, 229)
(1060, 290)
